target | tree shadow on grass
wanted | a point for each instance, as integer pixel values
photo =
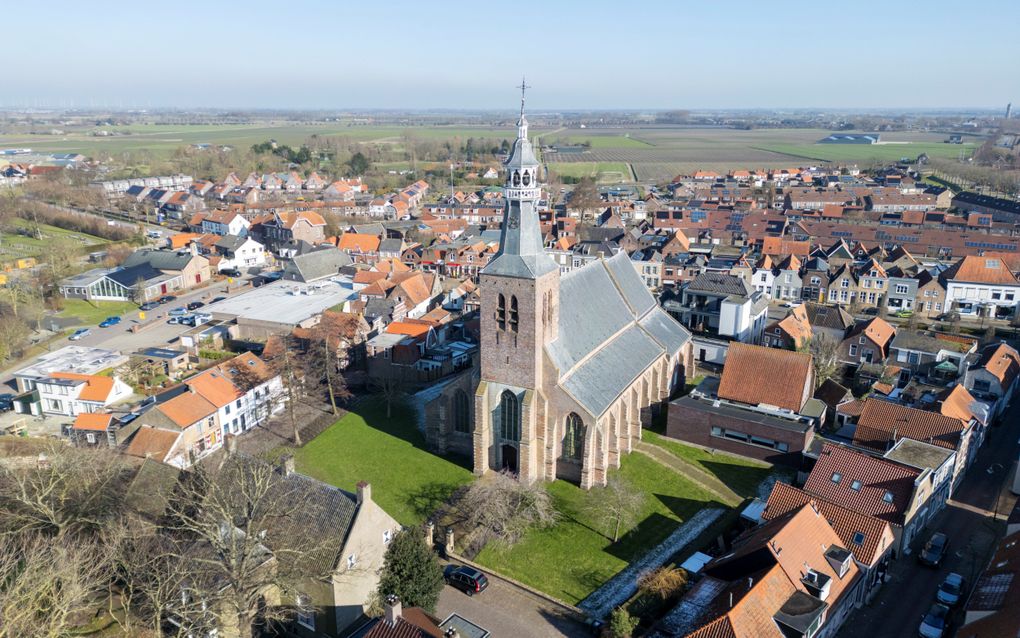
(657, 526)
(431, 498)
(742, 479)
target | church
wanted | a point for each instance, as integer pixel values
(571, 364)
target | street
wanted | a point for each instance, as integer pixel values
(974, 522)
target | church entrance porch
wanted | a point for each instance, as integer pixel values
(509, 458)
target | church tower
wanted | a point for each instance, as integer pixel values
(519, 315)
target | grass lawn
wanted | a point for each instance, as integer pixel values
(572, 559)
(91, 313)
(603, 171)
(408, 481)
(14, 245)
(741, 475)
(607, 141)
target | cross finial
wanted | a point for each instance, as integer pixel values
(523, 87)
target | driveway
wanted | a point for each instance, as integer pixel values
(505, 609)
(973, 520)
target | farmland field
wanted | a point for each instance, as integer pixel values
(870, 152)
(606, 172)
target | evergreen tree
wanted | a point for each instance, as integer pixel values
(621, 624)
(411, 571)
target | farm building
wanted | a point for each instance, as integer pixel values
(850, 138)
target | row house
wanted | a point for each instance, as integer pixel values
(284, 227)
(868, 342)
(982, 286)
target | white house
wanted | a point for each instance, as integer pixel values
(995, 375)
(71, 394)
(240, 252)
(223, 222)
(982, 286)
(763, 280)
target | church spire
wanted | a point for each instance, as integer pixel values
(521, 252)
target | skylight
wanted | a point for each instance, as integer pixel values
(836, 477)
(856, 486)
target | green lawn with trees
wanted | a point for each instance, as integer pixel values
(576, 555)
(408, 481)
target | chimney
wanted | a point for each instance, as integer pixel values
(392, 610)
(287, 464)
(364, 492)
(193, 248)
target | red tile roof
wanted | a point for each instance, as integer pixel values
(884, 422)
(97, 388)
(862, 483)
(983, 270)
(753, 375)
(152, 442)
(93, 421)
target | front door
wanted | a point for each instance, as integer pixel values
(508, 454)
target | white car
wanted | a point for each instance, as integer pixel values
(79, 333)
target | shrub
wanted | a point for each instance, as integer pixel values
(621, 624)
(664, 582)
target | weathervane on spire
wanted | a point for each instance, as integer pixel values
(522, 87)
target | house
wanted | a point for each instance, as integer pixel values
(792, 332)
(70, 393)
(902, 291)
(240, 252)
(938, 461)
(873, 284)
(871, 539)
(930, 300)
(145, 275)
(843, 286)
(788, 577)
(363, 248)
(285, 227)
(829, 322)
(322, 263)
(152, 443)
(787, 283)
(761, 407)
(880, 424)
(921, 352)
(412, 622)
(874, 486)
(101, 429)
(722, 305)
(225, 222)
(992, 606)
(994, 375)
(982, 286)
(868, 342)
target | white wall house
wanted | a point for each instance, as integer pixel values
(982, 286)
(69, 394)
(240, 253)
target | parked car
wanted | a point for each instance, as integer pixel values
(174, 320)
(166, 299)
(195, 305)
(934, 550)
(109, 321)
(871, 312)
(905, 314)
(933, 624)
(79, 333)
(6, 402)
(951, 590)
(467, 579)
(231, 272)
(179, 311)
(149, 305)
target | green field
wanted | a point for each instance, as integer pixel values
(407, 481)
(605, 172)
(741, 475)
(862, 153)
(572, 559)
(605, 141)
(15, 245)
(91, 313)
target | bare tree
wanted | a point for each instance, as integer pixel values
(47, 587)
(326, 354)
(390, 390)
(248, 539)
(286, 363)
(616, 505)
(824, 351)
(71, 492)
(501, 509)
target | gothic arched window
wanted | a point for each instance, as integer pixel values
(517, 178)
(461, 413)
(509, 417)
(501, 311)
(527, 178)
(573, 438)
(513, 313)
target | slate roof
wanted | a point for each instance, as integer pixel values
(130, 276)
(317, 264)
(923, 342)
(623, 332)
(159, 259)
(874, 478)
(231, 242)
(831, 393)
(754, 374)
(719, 284)
(834, 318)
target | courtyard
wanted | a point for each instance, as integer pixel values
(567, 561)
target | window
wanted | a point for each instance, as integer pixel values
(856, 486)
(509, 417)
(228, 408)
(90, 437)
(573, 438)
(901, 289)
(858, 538)
(305, 612)
(461, 412)
(982, 385)
(887, 497)
(513, 313)
(836, 477)
(853, 350)
(844, 283)
(501, 311)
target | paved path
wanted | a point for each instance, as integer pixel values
(506, 610)
(972, 520)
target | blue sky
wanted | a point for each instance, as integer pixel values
(586, 54)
